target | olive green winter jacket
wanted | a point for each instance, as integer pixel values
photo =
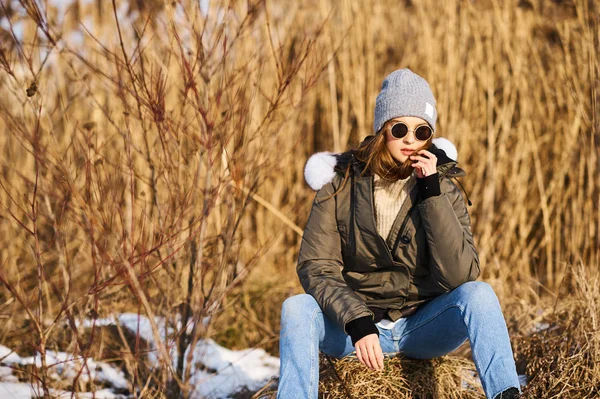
(350, 269)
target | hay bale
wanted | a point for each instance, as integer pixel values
(450, 377)
(447, 377)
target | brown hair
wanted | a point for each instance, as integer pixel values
(373, 152)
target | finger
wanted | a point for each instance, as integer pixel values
(379, 355)
(365, 355)
(372, 358)
(427, 154)
(419, 165)
(376, 362)
(424, 166)
(427, 161)
(432, 160)
(423, 169)
(359, 354)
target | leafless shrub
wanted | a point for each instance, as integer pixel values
(133, 161)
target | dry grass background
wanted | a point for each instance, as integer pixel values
(153, 158)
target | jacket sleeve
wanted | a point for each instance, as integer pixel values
(454, 258)
(320, 263)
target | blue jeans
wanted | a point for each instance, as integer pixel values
(470, 311)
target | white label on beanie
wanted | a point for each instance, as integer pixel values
(428, 110)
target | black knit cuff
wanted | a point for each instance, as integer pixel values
(361, 327)
(429, 186)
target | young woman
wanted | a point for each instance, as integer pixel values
(387, 258)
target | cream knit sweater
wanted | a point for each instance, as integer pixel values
(389, 198)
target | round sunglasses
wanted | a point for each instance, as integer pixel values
(399, 130)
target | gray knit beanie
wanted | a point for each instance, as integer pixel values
(404, 93)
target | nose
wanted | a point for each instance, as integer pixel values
(409, 138)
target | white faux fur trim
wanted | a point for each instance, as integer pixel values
(447, 146)
(319, 169)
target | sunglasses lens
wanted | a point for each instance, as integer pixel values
(399, 130)
(423, 133)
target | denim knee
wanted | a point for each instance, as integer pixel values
(298, 309)
(477, 295)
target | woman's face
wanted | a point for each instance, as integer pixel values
(402, 149)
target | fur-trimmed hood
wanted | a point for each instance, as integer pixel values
(320, 167)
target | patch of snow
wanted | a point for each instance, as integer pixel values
(65, 366)
(7, 356)
(234, 370)
(6, 375)
(87, 323)
(137, 323)
(217, 372)
(16, 390)
(100, 394)
(21, 390)
(107, 373)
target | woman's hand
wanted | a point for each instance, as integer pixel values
(426, 163)
(369, 352)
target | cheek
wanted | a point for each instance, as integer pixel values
(394, 148)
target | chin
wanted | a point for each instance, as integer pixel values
(401, 158)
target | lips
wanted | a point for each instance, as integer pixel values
(407, 152)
